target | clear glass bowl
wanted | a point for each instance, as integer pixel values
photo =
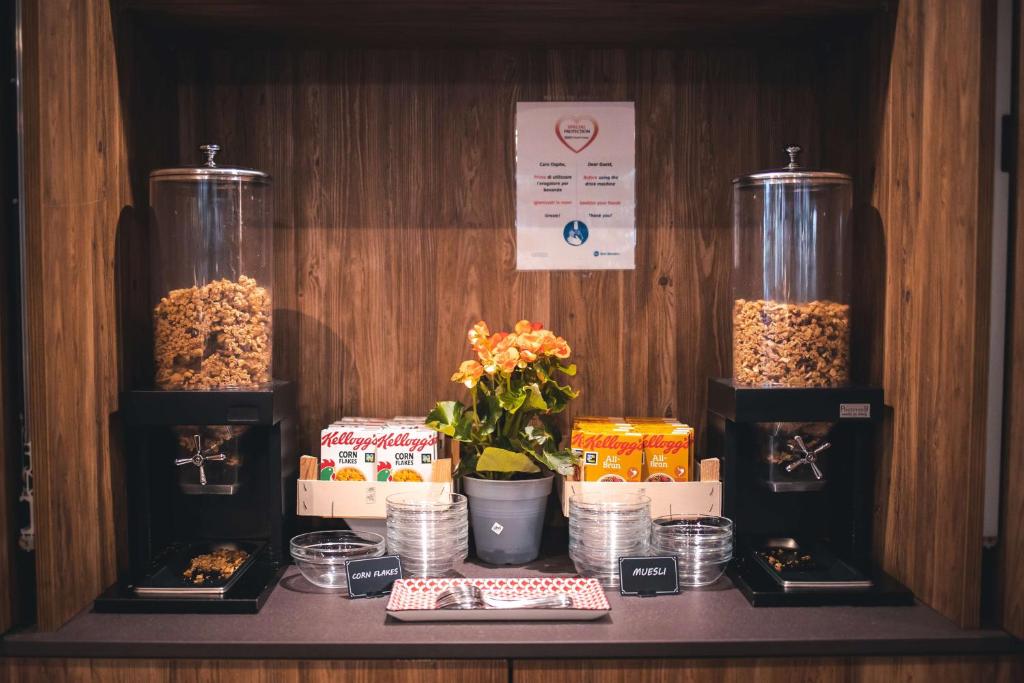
(321, 555)
(702, 545)
(428, 533)
(605, 527)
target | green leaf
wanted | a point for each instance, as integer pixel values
(511, 399)
(568, 369)
(558, 396)
(535, 435)
(500, 460)
(445, 417)
(560, 462)
(534, 399)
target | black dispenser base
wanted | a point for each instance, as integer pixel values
(246, 597)
(761, 590)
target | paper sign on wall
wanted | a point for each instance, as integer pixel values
(575, 185)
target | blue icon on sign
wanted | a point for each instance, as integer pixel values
(575, 233)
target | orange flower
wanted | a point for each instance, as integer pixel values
(524, 326)
(507, 359)
(561, 349)
(469, 373)
(478, 336)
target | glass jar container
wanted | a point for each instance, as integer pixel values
(791, 277)
(212, 239)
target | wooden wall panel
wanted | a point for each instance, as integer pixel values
(76, 186)
(9, 327)
(841, 670)
(932, 190)
(1010, 560)
(242, 671)
(7, 458)
(8, 426)
(396, 208)
(838, 670)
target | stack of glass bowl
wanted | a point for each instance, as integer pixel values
(702, 545)
(321, 555)
(429, 533)
(604, 527)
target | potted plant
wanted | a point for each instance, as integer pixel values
(510, 442)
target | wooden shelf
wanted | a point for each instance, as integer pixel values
(559, 22)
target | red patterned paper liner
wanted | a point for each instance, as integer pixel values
(421, 594)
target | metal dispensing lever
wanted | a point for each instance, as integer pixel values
(807, 456)
(199, 458)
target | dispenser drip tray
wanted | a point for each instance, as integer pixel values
(796, 568)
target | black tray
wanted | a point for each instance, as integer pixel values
(169, 581)
(245, 597)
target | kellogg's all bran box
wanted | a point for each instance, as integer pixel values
(668, 453)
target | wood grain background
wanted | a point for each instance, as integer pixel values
(395, 208)
(1011, 524)
(236, 671)
(9, 438)
(933, 194)
(76, 185)
(822, 670)
(395, 214)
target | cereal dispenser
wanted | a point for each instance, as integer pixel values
(212, 237)
(211, 444)
(795, 438)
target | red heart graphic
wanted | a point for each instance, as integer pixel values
(576, 132)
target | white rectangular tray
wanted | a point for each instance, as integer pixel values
(413, 599)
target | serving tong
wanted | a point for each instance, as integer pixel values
(468, 596)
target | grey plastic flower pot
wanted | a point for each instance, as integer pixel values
(507, 517)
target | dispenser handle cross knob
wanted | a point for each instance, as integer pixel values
(199, 458)
(807, 456)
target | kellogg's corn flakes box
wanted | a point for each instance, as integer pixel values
(406, 453)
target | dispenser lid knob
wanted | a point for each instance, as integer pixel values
(211, 151)
(794, 153)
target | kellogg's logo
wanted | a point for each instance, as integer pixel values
(404, 440)
(611, 442)
(359, 442)
(670, 445)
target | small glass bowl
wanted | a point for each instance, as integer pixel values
(321, 555)
(702, 545)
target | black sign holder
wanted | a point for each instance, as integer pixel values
(372, 586)
(647, 586)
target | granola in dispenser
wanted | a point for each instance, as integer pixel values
(216, 335)
(795, 345)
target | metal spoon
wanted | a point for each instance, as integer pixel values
(469, 596)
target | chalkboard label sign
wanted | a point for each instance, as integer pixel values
(372, 576)
(648, 576)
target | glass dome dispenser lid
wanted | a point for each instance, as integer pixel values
(209, 170)
(792, 173)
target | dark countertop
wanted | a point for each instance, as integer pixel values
(301, 621)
